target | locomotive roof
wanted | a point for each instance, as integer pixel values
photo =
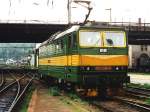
(76, 28)
(59, 34)
(72, 29)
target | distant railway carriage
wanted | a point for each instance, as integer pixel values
(90, 58)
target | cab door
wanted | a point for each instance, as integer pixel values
(72, 47)
(71, 55)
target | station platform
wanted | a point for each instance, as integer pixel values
(142, 78)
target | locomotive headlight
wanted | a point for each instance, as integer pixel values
(117, 68)
(85, 68)
(88, 68)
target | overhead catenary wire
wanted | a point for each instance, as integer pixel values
(9, 7)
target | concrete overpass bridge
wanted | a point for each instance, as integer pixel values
(28, 32)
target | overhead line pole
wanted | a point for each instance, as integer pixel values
(69, 11)
(110, 18)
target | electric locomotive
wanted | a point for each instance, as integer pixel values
(92, 60)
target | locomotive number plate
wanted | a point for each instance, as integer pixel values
(102, 50)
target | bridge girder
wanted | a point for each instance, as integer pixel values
(27, 33)
(37, 33)
(139, 37)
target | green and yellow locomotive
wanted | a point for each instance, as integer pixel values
(91, 59)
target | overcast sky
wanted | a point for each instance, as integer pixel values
(56, 10)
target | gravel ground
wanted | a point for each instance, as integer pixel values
(43, 101)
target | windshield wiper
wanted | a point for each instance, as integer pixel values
(96, 42)
(109, 42)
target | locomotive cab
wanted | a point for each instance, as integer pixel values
(99, 55)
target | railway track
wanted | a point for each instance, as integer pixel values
(139, 91)
(13, 91)
(1, 80)
(120, 104)
(113, 106)
(133, 101)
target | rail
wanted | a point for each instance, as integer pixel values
(101, 107)
(13, 92)
(2, 80)
(9, 93)
(120, 104)
(10, 84)
(140, 106)
(141, 91)
(20, 95)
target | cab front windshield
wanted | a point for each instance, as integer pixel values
(102, 39)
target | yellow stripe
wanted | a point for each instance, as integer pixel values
(58, 61)
(86, 60)
(104, 60)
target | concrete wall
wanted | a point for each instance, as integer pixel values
(135, 52)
